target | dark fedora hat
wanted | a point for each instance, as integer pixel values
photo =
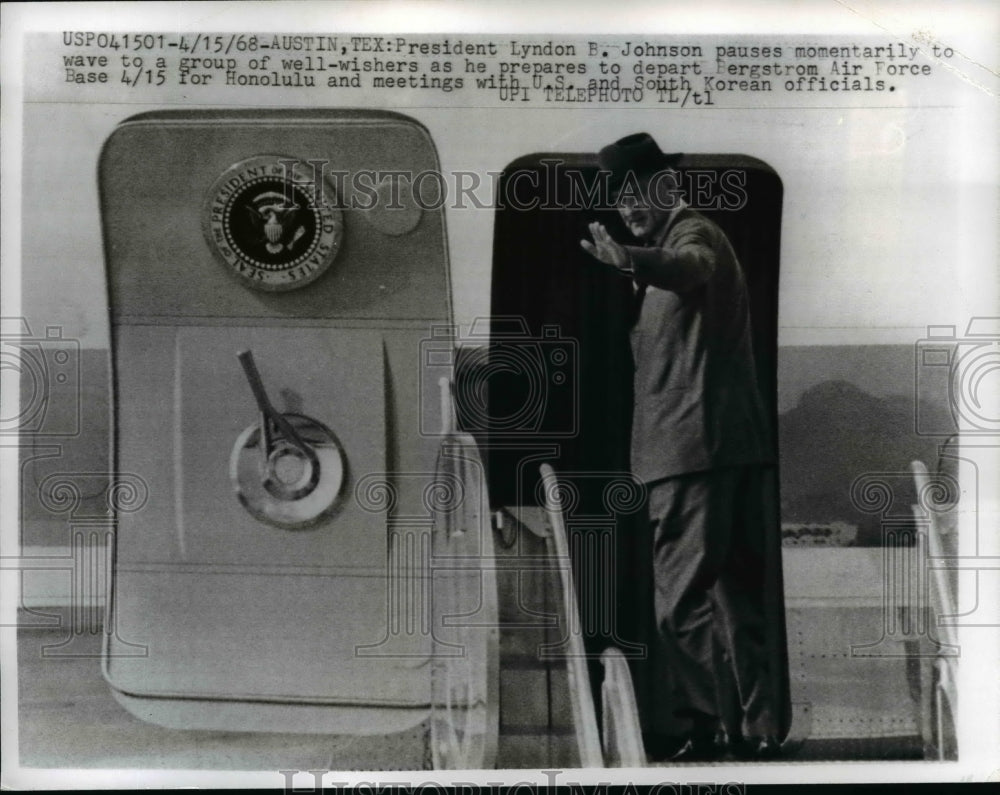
(636, 154)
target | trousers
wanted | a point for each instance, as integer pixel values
(709, 530)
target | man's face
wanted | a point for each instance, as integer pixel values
(642, 217)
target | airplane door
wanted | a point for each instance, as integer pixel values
(266, 333)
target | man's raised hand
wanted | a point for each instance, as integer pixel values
(605, 248)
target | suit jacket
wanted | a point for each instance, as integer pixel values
(697, 404)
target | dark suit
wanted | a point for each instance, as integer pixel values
(700, 438)
(697, 406)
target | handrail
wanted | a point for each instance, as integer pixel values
(943, 604)
(620, 727)
(465, 714)
(582, 700)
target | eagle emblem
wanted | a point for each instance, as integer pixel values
(269, 213)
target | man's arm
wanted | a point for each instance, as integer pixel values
(687, 261)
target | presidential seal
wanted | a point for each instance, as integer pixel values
(273, 222)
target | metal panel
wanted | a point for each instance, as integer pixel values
(225, 613)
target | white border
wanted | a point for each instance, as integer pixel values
(972, 26)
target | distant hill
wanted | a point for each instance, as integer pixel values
(839, 432)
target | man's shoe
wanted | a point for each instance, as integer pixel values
(721, 743)
(695, 748)
(759, 748)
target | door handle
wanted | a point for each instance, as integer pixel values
(274, 426)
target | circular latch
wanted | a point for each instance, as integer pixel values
(286, 487)
(287, 469)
